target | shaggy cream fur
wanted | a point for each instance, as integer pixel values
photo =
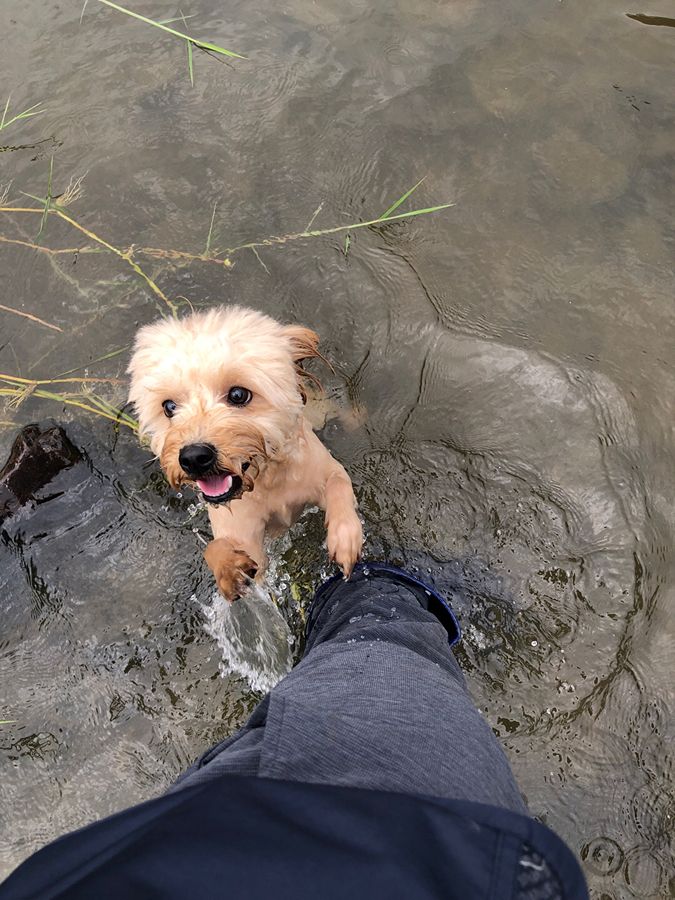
(276, 463)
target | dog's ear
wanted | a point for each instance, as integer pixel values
(304, 344)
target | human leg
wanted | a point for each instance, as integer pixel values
(378, 701)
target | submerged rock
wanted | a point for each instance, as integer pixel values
(512, 78)
(579, 172)
(36, 458)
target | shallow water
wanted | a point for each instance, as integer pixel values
(509, 364)
(253, 636)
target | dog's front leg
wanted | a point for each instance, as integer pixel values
(344, 535)
(236, 553)
(231, 567)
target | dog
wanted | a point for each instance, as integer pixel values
(221, 396)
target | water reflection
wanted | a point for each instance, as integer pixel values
(509, 363)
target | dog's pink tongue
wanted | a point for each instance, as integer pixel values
(215, 485)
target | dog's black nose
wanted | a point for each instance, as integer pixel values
(197, 459)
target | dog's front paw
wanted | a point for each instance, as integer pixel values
(344, 540)
(231, 567)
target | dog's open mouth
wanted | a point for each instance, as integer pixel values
(220, 488)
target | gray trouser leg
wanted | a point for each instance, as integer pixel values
(378, 701)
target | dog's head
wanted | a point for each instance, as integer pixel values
(220, 394)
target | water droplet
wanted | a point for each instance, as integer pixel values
(603, 856)
(643, 873)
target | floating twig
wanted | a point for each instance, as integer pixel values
(18, 312)
(126, 255)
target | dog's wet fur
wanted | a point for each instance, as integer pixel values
(220, 395)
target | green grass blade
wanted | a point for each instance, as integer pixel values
(418, 212)
(2, 123)
(203, 46)
(210, 234)
(283, 239)
(380, 221)
(48, 201)
(192, 74)
(189, 44)
(100, 359)
(54, 206)
(33, 197)
(111, 410)
(404, 197)
(117, 415)
(26, 114)
(185, 37)
(83, 9)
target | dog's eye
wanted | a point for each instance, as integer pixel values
(239, 396)
(169, 408)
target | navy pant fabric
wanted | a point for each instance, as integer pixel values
(366, 773)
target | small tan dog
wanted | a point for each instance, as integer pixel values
(221, 396)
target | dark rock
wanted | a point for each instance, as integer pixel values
(37, 457)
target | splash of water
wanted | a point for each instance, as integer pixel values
(252, 635)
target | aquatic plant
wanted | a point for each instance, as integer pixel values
(21, 388)
(18, 389)
(210, 254)
(26, 114)
(163, 25)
